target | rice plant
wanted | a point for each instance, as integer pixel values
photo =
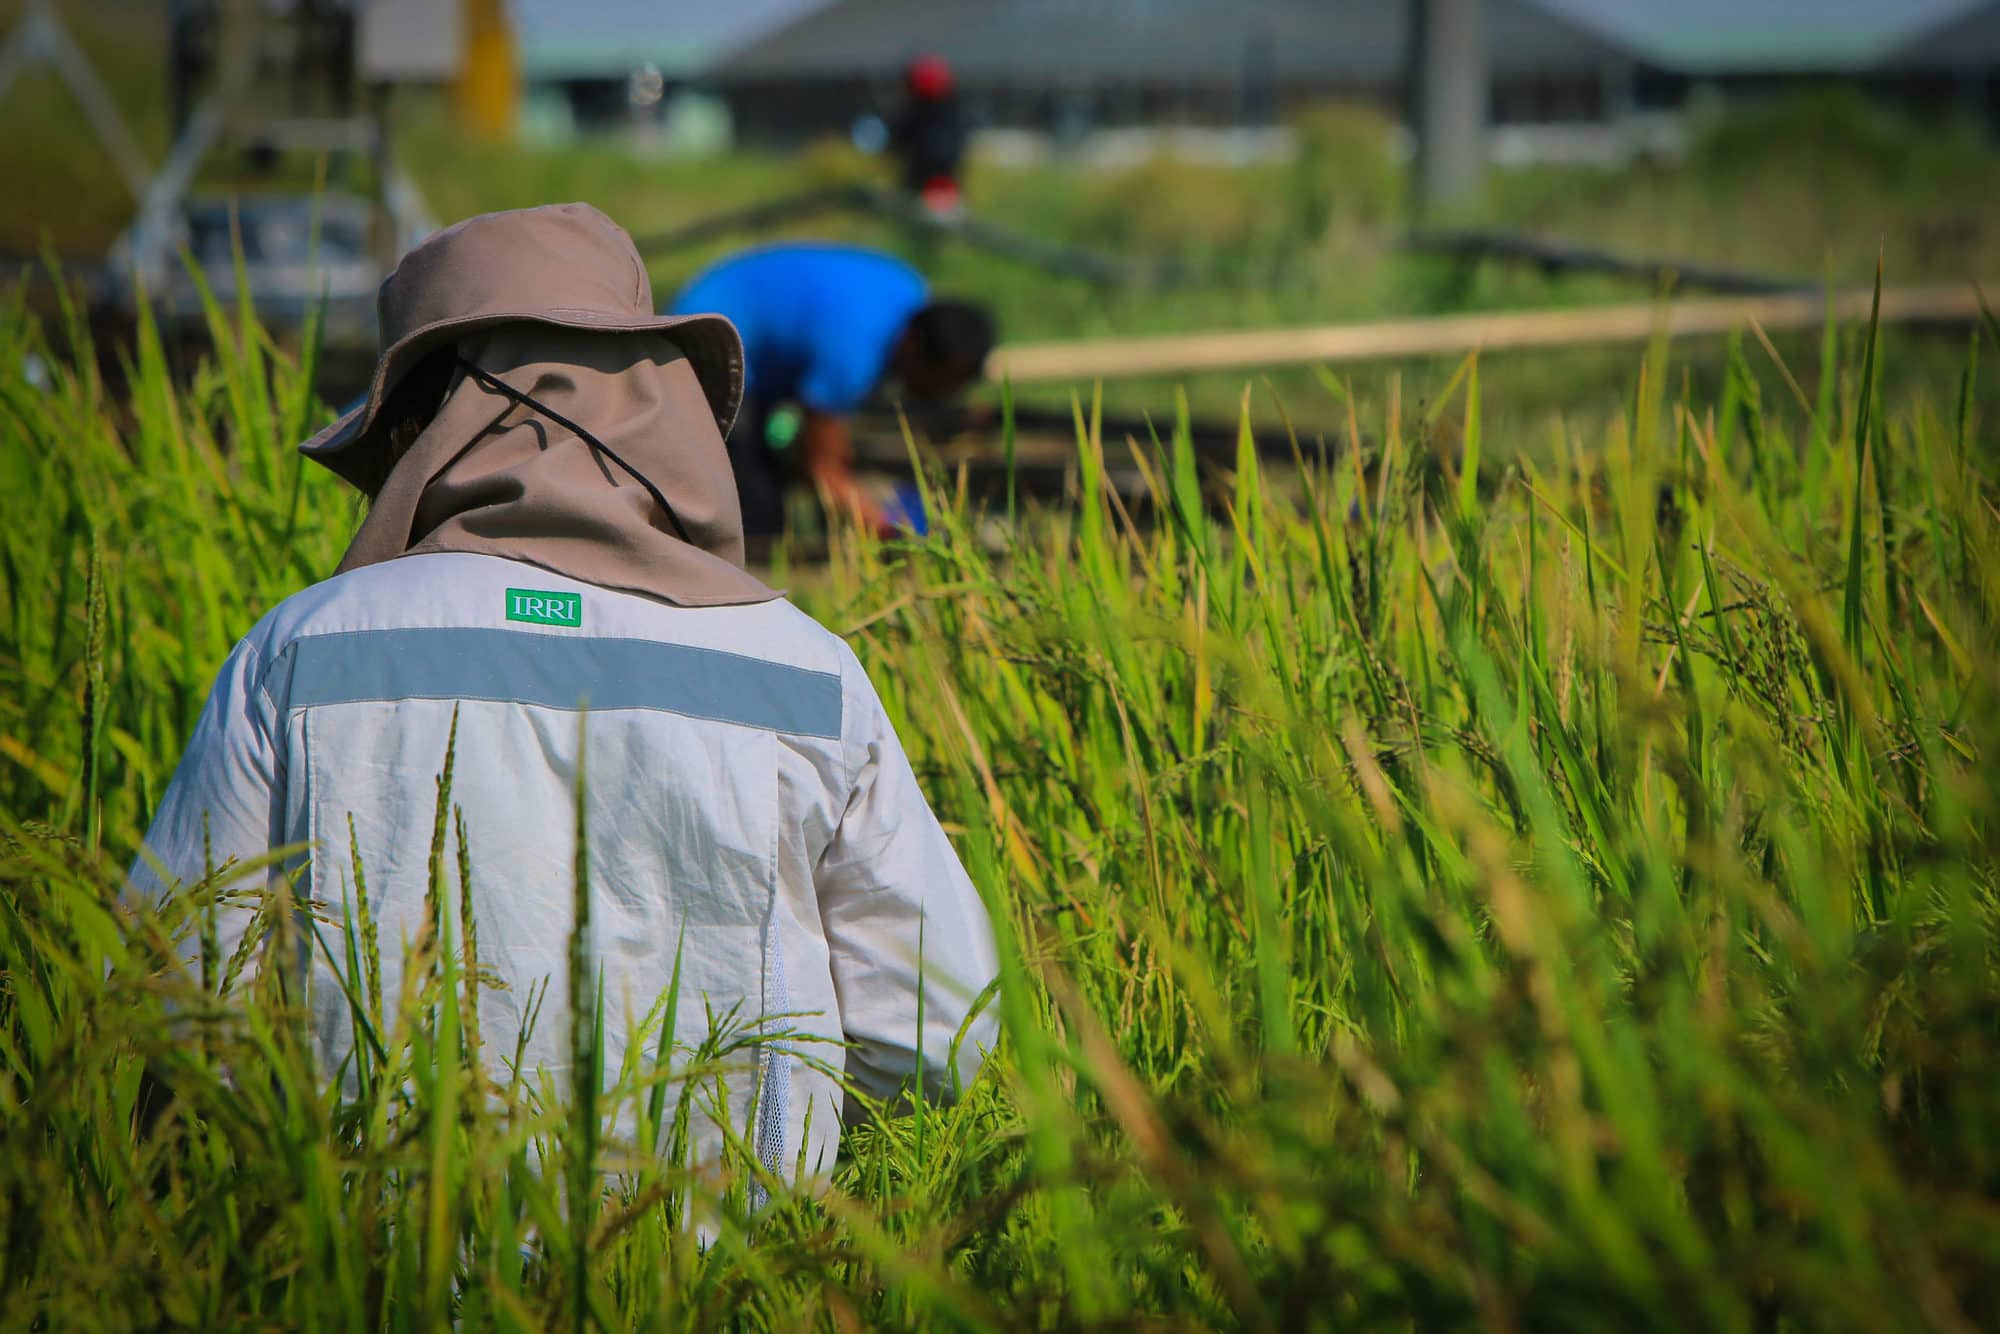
(1545, 887)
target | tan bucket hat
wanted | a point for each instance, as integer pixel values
(562, 264)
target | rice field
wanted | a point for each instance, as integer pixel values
(1460, 885)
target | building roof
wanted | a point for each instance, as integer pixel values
(560, 39)
(1764, 36)
(1150, 40)
(1162, 40)
(1968, 41)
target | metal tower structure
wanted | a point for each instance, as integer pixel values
(267, 81)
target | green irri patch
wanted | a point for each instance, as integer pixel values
(540, 608)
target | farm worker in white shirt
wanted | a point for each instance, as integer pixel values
(554, 543)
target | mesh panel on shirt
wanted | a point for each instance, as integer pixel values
(775, 1100)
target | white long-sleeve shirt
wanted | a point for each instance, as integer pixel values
(744, 788)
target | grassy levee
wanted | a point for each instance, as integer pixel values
(1565, 900)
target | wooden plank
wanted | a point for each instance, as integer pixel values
(1441, 335)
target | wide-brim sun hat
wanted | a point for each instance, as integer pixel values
(562, 264)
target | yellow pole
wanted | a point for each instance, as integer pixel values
(489, 84)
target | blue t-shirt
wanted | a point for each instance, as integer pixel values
(819, 322)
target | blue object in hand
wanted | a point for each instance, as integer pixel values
(906, 509)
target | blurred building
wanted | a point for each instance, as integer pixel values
(1955, 59)
(1072, 65)
(1560, 74)
(1928, 53)
(613, 63)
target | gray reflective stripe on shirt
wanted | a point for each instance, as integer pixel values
(553, 671)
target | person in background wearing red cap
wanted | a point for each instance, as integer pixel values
(929, 136)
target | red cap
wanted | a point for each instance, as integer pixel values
(928, 77)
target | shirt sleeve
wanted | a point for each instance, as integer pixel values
(890, 885)
(225, 800)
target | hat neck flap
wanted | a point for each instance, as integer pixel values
(642, 500)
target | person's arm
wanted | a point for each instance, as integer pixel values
(890, 886)
(224, 801)
(826, 453)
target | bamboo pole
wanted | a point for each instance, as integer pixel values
(1439, 335)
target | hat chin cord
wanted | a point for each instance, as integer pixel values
(495, 384)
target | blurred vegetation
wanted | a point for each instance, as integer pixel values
(1834, 136)
(1347, 170)
(1314, 240)
(1812, 184)
(63, 191)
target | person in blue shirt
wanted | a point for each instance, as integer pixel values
(826, 327)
